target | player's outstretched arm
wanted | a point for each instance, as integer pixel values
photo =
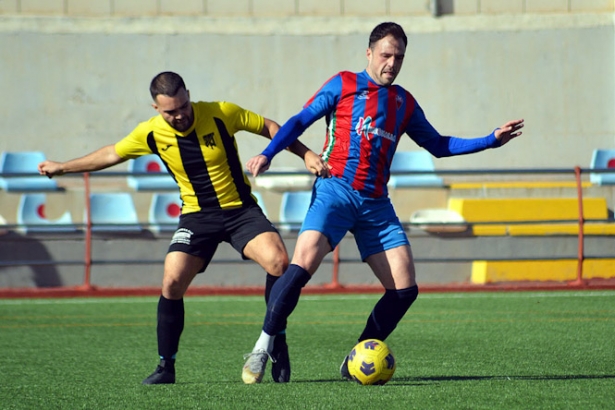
(97, 160)
(316, 165)
(313, 162)
(508, 131)
(257, 165)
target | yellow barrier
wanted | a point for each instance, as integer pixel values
(518, 184)
(484, 272)
(477, 210)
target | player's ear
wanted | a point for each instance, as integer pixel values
(368, 53)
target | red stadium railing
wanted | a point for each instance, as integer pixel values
(336, 261)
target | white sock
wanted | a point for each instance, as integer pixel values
(264, 342)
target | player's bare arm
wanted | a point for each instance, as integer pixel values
(509, 131)
(257, 165)
(100, 159)
(313, 162)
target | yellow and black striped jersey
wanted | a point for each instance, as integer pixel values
(204, 160)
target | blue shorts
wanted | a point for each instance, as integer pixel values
(337, 208)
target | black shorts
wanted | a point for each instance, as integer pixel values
(200, 233)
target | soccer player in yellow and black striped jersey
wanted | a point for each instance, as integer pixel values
(196, 142)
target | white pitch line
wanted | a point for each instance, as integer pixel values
(307, 298)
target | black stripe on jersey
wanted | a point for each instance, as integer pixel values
(234, 163)
(196, 171)
(151, 143)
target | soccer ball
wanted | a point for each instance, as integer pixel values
(371, 362)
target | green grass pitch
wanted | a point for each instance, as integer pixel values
(501, 350)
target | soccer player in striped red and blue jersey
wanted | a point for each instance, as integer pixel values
(366, 117)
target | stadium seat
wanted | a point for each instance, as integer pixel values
(164, 212)
(3, 227)
(261, 201)
(413, 161)
(31, 216)
(24, 162)
(149, 164)
(293, 208)
(295, 180)
(438, 220)
(602, 158)
(113, 212)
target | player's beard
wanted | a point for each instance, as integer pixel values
(184, 124)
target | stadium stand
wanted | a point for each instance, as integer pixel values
(24, 162)
(293, 207)
(438, 220)
(113, 212)
(261, 202)
(299, 181)
(164, 212)
(32, 218)
(602, 158)
(533, 216)
(565, 270)
(414, 161)
(149, 164)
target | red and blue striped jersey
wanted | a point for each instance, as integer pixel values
(365, 122)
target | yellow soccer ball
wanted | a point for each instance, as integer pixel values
(371, 362)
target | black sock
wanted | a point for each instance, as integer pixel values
(270, 281)
(170, 327)
(284, 298)
(388, 312)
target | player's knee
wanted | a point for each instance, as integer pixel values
(172, 288)
(275, 263)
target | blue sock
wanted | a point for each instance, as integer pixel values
(269, 282)
(284, 298)
(388, 312)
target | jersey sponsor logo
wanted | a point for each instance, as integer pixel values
(166, 148)
(182, 235)
(365, 129)
(364, 95)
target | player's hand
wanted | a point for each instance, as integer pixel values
(316, 165)
(50, 168)
(258, 164)
(508, 131)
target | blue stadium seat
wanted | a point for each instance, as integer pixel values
(602, 158)
(31, 216)
(150, 164)
(113, 212)
(164, 212)
(261, 202)
(293, 208)
(413, 161)
(24, 162)
(3, 226)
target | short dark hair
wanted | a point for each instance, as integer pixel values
(384, 29)
(166, 83)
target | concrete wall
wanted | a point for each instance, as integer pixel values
(297, 7)
(71, 84)
(75, 74)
